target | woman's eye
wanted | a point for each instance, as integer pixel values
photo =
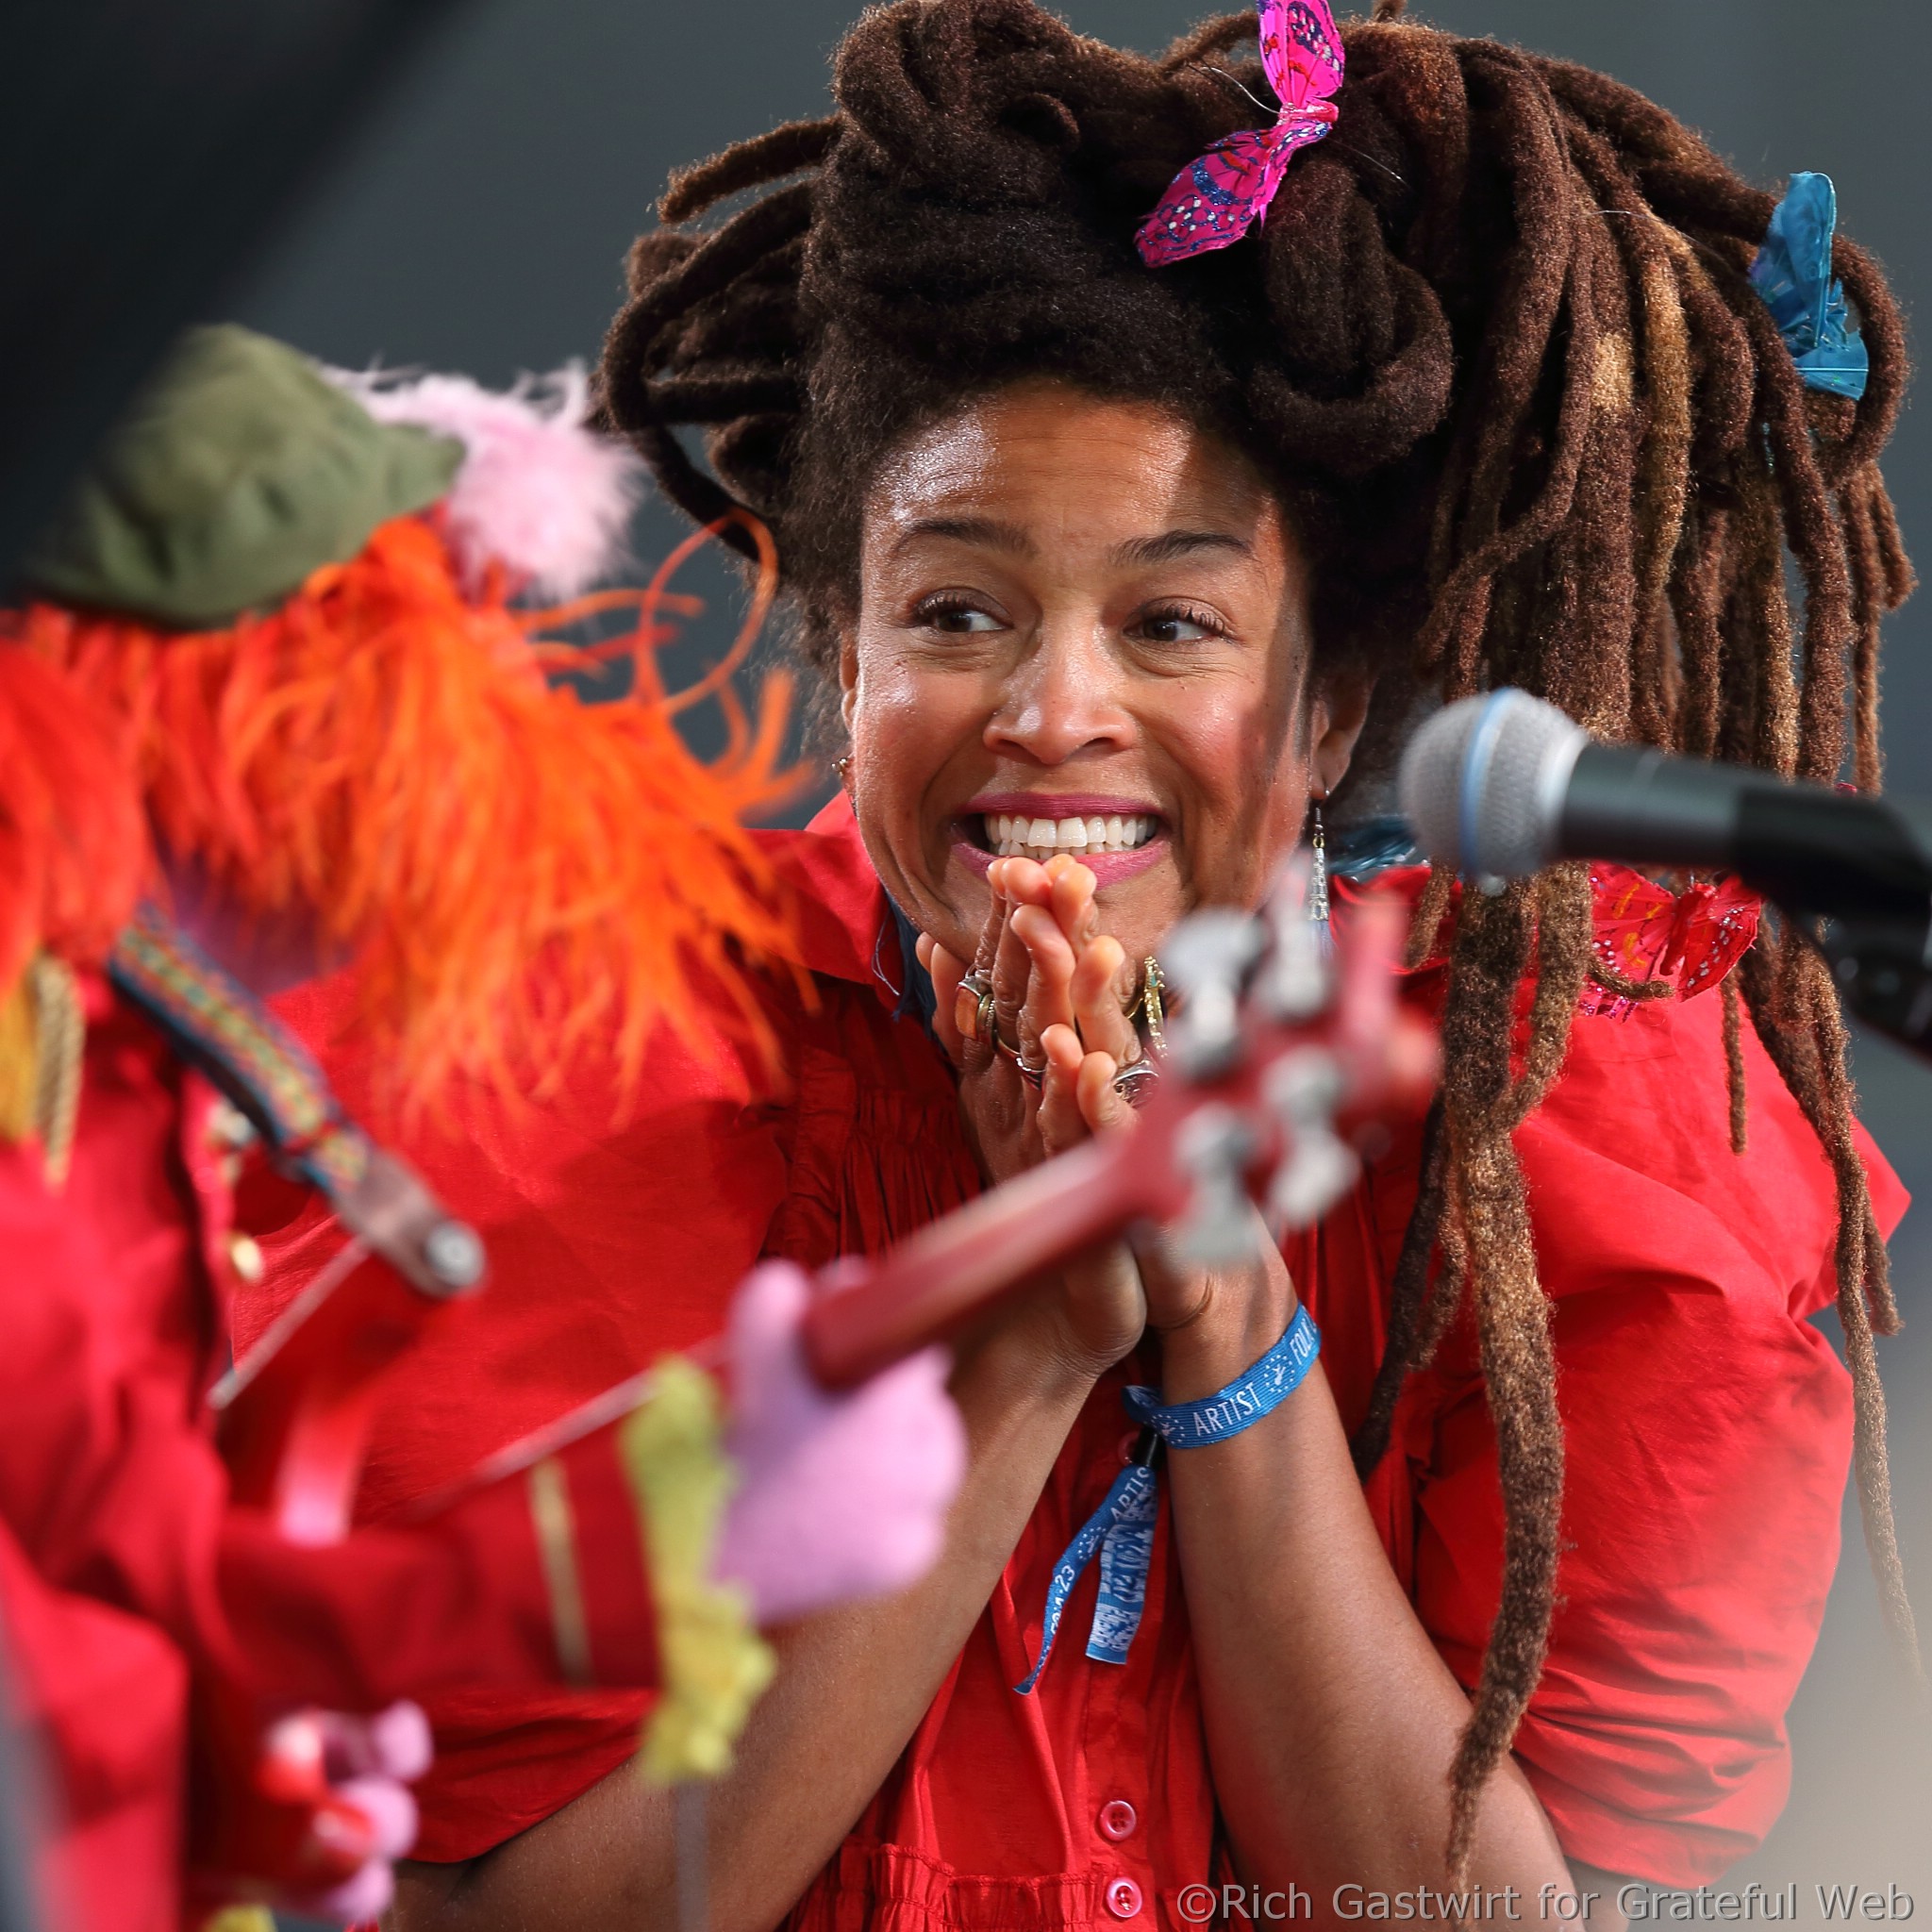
(1178, 627)
(955, 617)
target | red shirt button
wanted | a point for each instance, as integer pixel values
(1118, 1819)
(1123, 1898)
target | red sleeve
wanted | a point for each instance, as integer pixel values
(1707, 1433)
(469, 1602)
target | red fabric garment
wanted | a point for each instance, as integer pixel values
(1709, 1429)
(123, 1569)
(1707, 1433)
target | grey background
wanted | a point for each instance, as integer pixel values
(478, 222)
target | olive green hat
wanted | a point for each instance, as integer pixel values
(238, 471)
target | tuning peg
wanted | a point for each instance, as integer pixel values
(1208, 958)
(1214, 1149)
(1300, 1092)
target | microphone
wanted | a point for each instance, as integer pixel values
(1500, 784)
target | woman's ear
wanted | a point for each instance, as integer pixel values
(848, 676)
(1340, 711)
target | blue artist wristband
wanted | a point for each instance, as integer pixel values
(1242, 1403)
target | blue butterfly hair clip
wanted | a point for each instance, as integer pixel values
(1793, 273)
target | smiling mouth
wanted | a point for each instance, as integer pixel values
(1013, 834)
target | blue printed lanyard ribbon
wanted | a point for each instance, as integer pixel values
(1121, 1533)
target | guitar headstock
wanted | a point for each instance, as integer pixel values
(1283, 1052)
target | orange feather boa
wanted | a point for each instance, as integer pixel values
(514, 871)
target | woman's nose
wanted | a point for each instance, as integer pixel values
(1063, 698)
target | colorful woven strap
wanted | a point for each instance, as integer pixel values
(224, 1033)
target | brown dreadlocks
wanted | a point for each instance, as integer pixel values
(1496, 345)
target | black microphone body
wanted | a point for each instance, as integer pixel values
(1501, 785)
(1816, 852)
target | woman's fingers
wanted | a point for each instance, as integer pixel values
(1049, 980)
(945, 972)
(1105, 978)
(1073, 887)
(976, 1049)
(1101, 981)
(1061, 1122)
(1104, 1110)
(995, 915)
(1012, 974)
(1027, 882)
(1051, 973)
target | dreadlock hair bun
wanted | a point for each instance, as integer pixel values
(967, 221)
(1496, 345)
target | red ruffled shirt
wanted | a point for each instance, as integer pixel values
(1709, 1427)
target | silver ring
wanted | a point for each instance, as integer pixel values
(1034, 1077)
(1136, 1084)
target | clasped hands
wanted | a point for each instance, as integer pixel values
(1062, 990)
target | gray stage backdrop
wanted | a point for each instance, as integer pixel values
(480, 221)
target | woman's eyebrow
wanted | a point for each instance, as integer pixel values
(1172, 544)
(989, 532)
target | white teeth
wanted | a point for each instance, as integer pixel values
(1015, 835)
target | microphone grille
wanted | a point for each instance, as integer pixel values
(1482, 782)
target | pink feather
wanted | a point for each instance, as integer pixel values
(540, 492)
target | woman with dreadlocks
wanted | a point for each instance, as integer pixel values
(1113, 443)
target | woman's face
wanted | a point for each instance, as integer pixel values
(1083, 626)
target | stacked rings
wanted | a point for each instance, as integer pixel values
(978, 1018)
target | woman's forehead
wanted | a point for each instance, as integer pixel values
(1043, 463)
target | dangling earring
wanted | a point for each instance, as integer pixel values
(843, 768)
(1318, 874)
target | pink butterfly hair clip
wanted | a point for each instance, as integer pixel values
(1217, 199)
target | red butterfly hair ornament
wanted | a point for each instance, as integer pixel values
(1218, 198)
(1644, 932)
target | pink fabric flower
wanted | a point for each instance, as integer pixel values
(845, 1496)
(368, 1763)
